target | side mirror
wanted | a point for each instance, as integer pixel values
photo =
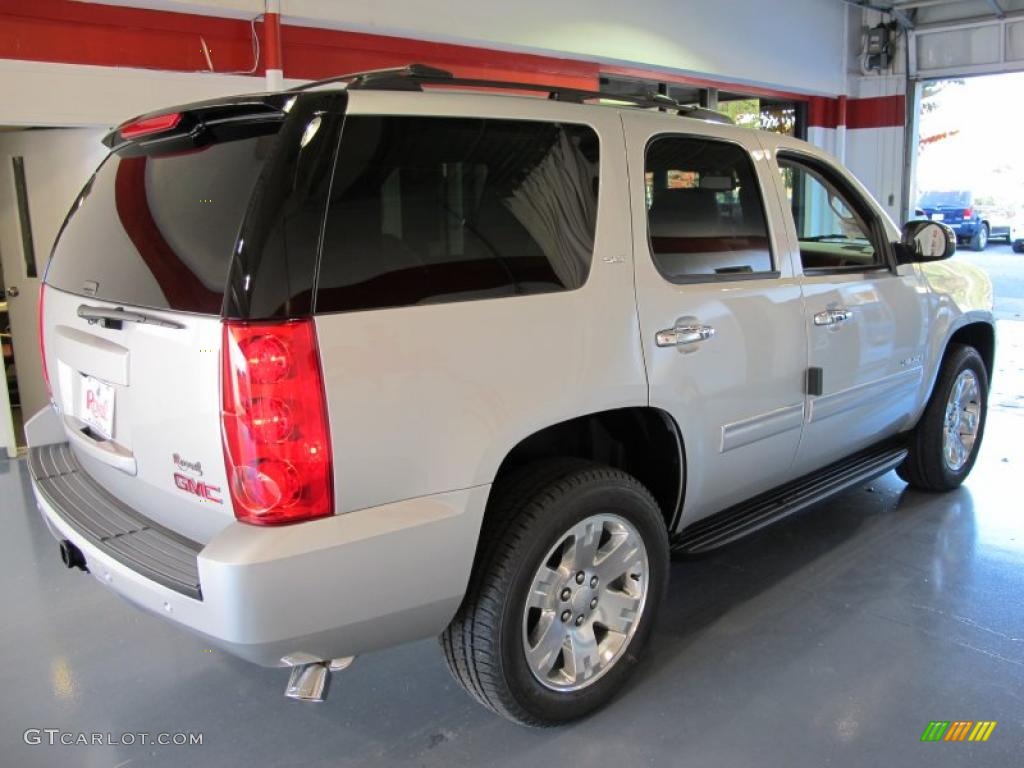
(925, 240)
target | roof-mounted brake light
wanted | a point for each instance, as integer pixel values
(150, 125)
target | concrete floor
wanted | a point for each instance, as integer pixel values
(832, 638)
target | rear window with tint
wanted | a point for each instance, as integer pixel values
(159, 230)
(430, 210)
(948, 198)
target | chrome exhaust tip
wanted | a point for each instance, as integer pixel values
(309, 680)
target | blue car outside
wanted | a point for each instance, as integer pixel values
(956, 209)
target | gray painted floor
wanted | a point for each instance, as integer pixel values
(832, 638)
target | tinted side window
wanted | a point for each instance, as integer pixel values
(832, 231)
(704, 210)
(429, 210)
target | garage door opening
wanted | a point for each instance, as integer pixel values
(969, 173)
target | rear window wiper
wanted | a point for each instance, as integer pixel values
(113, 318)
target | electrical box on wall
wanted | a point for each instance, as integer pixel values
(878, 47)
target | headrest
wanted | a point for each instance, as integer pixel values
(685, 213)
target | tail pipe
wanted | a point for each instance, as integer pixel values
(309, 679)
(72, 556)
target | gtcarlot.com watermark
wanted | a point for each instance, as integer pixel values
(54, 736)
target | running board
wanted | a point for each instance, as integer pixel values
(749, 516)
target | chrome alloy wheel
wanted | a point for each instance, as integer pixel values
(585, 602)
(963, 419)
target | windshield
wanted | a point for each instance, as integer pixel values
(948, 199)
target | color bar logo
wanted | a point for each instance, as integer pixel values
(958, 730)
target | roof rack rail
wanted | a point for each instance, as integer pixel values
(413, 77)
(703, 113)
(389, 79)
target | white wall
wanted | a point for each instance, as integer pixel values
(876, 155)
(795, 45)
(39, 93)
(57, 164)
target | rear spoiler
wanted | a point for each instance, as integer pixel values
(192, 120)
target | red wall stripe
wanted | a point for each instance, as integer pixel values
(82, 33)
(822, 112)
(875, 112)
(879, 112)
(311, 52)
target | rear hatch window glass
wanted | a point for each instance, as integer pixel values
(430, 210)
(159, 230)
(946, 199)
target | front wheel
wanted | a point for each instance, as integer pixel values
(572, 565)
(945, 443)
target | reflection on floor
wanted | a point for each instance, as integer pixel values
(832, 638)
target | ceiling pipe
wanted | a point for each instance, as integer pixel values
(890, 10)
(997, 9)
(911, 4)
(272, 45)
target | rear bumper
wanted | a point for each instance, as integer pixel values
(325, 589)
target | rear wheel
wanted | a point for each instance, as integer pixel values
(980, 240)
(945, 442)
(1018, 246)
(568, 578)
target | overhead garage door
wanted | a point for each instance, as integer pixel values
(966, 37)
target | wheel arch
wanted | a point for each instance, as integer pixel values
(645, 442)
(982, 337)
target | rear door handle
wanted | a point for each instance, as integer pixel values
(687, 330)
(832, 316)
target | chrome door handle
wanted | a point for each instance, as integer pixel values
(686, 331)
(12, 291)
(832, 316)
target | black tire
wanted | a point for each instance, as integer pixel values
(1018, 246)
(925, 467)
(979, 242)
(483, 645)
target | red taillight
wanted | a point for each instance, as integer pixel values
(968, 213)
(277, 446)
(148, 125)
(42, 340)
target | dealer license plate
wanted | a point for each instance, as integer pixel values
(96, 406)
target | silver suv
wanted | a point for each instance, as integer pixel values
(371, 361)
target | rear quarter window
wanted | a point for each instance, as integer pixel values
(430, 210)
